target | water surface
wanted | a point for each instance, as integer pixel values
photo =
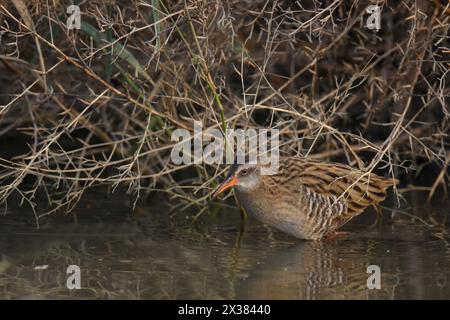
(148, 255)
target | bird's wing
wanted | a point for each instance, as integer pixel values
(353, 188)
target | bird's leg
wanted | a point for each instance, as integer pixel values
(378, 214)
(244, 214)
(242, 228)
(242, 211)
(335, 235)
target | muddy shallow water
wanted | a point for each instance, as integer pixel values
(147, 255)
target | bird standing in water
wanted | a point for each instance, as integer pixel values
(305, 198)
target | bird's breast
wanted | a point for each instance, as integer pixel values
(280, 213)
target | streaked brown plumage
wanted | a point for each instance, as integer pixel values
(305, 198)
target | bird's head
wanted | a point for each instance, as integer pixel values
(244, 177)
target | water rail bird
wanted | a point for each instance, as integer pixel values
(305, 198)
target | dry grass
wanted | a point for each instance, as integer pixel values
(96, 106)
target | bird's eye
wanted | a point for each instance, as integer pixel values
(244, 172)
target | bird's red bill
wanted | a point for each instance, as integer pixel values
(224, 186)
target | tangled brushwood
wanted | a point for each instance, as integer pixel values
(96, 105)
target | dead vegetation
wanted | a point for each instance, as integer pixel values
(96, 106)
